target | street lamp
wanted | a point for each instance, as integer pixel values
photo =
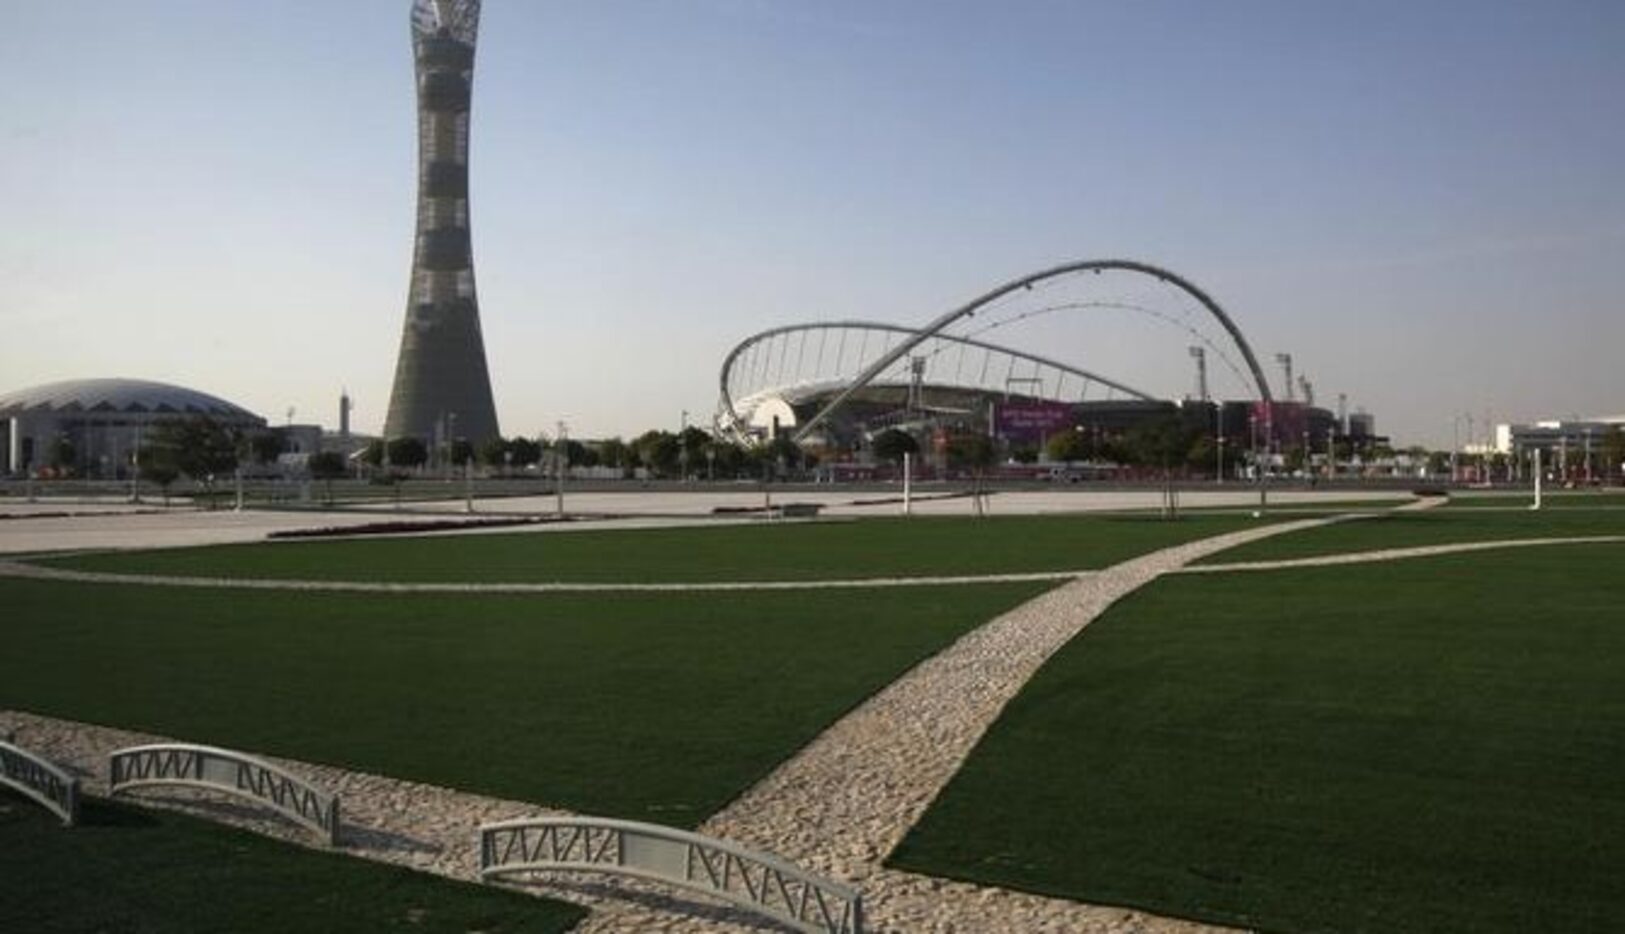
(682, 446)
(561, 454)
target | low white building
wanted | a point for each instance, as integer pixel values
(1561, 442)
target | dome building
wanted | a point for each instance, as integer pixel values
(101, 420)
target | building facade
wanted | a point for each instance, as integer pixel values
(92, 427)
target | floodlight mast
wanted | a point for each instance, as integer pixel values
(442, 366)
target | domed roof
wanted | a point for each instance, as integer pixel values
(120, 395)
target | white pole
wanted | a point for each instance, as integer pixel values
(239, 489)
(135, 468)
(908, 483)
(562, 448)
(1538, 473)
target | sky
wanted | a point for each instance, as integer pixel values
(1421, 201)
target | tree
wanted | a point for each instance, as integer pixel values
(266, 446)
(408, 452)
(526, 451)
(460, 452)
(613, 452)
(892, 444)
(691, 445)
(1159, 442)
(726, 458)
(975, 452)
(202, 447)
(972, 451)
(1067, 446)
(327, 466)
(577, 454)
(657, 450)
(496, 452)
(1613, 451)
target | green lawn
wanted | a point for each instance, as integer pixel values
(1431, 527)
(1430, 745)
(653, 707)
(769, 551)
(134, 871)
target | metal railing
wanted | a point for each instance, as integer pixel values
(759, 882)
(40, 780)
(187, 765)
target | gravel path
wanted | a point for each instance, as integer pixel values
(1397, 554)
(845, 801)
(42, 572)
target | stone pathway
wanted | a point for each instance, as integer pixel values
(1397, 554)
(48, 573)
(434, 830)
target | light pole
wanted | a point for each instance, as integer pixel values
(1455, 447)
(135, 468)
(451, 443)
(560, 455)
(1588, 454)
(682, 446)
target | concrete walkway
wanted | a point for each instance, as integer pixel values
(148, 526)
(1398, 554)
(69, 575)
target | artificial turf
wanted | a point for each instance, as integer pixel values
(134, 871)
(1428, 527)
(765, 551)
(652, 707)
(1428, 745)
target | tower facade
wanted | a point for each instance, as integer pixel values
(442, 385)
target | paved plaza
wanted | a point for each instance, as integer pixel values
(79, 525)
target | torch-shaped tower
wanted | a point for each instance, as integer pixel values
(442, 386)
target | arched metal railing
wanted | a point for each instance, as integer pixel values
(40, 780)
(759, 882)
(186, 765)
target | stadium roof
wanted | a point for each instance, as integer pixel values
(119, 395)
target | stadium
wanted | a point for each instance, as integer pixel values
(95, 425)
(1002, 366)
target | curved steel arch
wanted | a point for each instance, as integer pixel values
(1127, 265)
(728, 361)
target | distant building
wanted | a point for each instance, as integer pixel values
(1566, 447)
(98, 423)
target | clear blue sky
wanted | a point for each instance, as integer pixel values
(1422, 201)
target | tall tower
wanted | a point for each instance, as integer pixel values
(442, 386)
